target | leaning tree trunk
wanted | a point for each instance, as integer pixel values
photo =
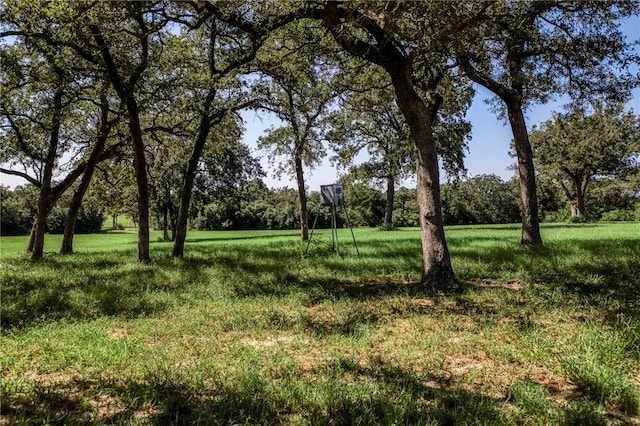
(78, 196)
(302, 196)
(436, 261)
(526, 173)
(388, 213)
(72, 216)
(188, 182)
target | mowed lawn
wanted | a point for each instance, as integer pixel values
(248, 330)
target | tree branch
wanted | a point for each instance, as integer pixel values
(23, 175)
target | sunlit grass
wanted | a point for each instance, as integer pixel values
(247, 329)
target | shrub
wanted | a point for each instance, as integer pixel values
(561, 215)
(385, 227)
(89, 221)
(15, 217)
(617, 215)
(577, 219)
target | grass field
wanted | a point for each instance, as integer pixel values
(247, 330)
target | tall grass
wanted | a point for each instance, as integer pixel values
(247, 329)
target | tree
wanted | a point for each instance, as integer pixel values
(116, 39)
(574, 148)
(529, 51)
(370, 119)
(125, 67)
(45, 106)
(403, 38)
(479, 200)
(299, 91)
(103, 130)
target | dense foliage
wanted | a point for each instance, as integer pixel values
(484, 199)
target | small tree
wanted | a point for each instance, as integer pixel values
(299, 92)
(577, 147)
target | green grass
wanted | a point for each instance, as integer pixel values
(248, 330)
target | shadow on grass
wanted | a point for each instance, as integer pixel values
(341, 392)
(84, 286)
(78, 287)
(346, 394)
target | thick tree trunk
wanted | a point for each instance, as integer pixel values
(40, 223)
(125, 92)
(571, 199)
(435, 254)
(577, 207)
(302, 196)
(142, 182)
(179, 233)
(44, 201)
(72, 216)
(526, 173)
(32, 235)
(388, 213)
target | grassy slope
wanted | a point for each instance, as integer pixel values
(246, 330)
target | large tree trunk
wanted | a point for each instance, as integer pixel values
(44, 201)
(302, 196)
(436, 261)
(78, 196)
(388, 213)
(40, 222)
(526, 173)
(125, 92)
(72, 216)
(142, 182)
(576, 199)
(581, 190)
(32, 235)
(179, 233)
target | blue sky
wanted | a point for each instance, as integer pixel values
(488, 148)
(490, 137)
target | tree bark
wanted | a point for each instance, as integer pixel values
(125, 90)
(436, 260)
(78, 196)
(188, 182)
(388, 214)
(580, 185)
(142, 182)
(530, 219)
(302, 196)
(44, 201)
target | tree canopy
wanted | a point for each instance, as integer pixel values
(168, 78)
(583, 144)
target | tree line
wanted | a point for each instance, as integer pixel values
(482, 199)
(148, 92)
